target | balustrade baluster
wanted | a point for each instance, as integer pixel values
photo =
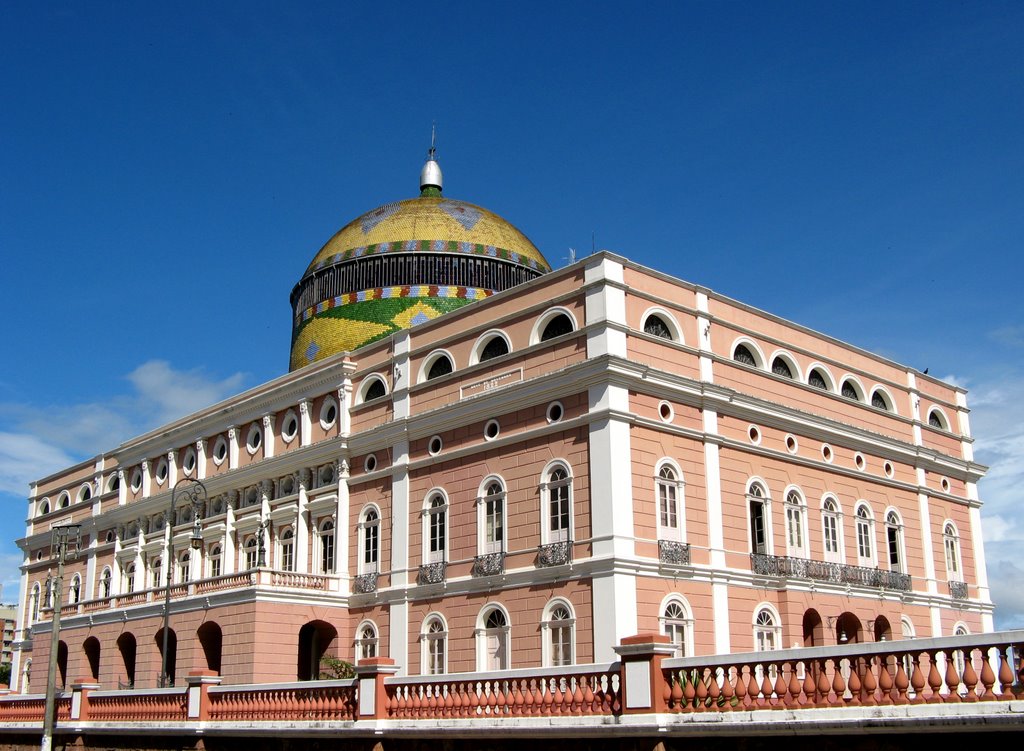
(854, 682)
(824, 686)
(952, 683)
(780, 688)
(588, 698)
(1005, 676)
(884, 681)
(988, 678)
(901, 683)
(934, 678)
(970, 680)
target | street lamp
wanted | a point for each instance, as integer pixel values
(64, 540)
(194, 492)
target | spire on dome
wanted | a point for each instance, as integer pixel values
(431, 183)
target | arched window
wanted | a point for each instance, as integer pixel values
(84, 493)
(435, 528)
(287, 559)
(374, 389)
(951, 544)
(767, 631)
(742, 354)
(36, 598)
(655, 326)
(831, 528)
(558, 632)
(184, 566)
(677, 625)
(796, 537)
(936, 420)
(491, 518)
(369, 541)
(490, 346)
(669, 489)
(105, 583)
(879, 401)
(441, 366)
(557, 513)
(44, 507)
(559, 325)
(850, 391)
(75, 591)
(816, 379)
(492, 638)
(757, 500)
(91, 648)
(129, 578)
(434, 646)
(156, 565)
(250, 553)
(894, 541)
(781, 368)
(327, 547)
(215, 561)
(865, 536)
(366, 641)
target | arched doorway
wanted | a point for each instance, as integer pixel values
(814, 633)
(91, 647)
(883, 631)
(212, 639)
(849, 629)
(314, 640)
(62, 663)
(172, 652)
(127, 647)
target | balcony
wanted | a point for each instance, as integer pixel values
(554, 554)
(958, 590)
(432, 573)
(365, 583)
(489, 564)
(835, 573)
(673, 553)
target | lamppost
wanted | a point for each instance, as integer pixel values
(64, 539)
(194, 492)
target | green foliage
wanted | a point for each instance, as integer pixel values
(5, 674)
(332, 668)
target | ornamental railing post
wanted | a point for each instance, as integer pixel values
(643, 681)
(80, 691)
(373, 698)
(199, 682)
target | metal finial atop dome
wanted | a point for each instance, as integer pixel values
(431, 182)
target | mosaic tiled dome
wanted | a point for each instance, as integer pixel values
(401, 264)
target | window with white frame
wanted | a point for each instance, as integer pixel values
(557, 494)
(894, 541)
(865, 536)
(327, 547)
(75, 591)
(492, 635)
(669, 488)
(558, 631)
(105, 578)
(369, 540)
(215, 561)
(435, 528)
(129, 578)
(831, 530)
(676, 624)
(287, 559)
(491, 517)
(184, 566)
(156, 567)
(767, 631)
(796, 537)
(757, 502)
(434, 646)
(951, 544)
(366, 641)
(37, 595)
(250, 553)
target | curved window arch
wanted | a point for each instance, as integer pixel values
(156, 567)
(820, 377)
(434, 645)
(327, 547)
(951, 546)
(369, 540)
(758, 517)
(249, 550)
(747, 353)
(84, 493)
(852, 389)
(215, 562)
(435, 527)
(44, 507)
(491, 344)
(865, 522)
(113, 482)
(882, 399)
(492, 639)
(796, 530)
(785, 366)
(660, 323)
(490, 510)
(105, 582)
(435, 365)
(557, 504)
(767, 629)
(129, 578)
(373, 387)
(366, 640)
(676, 621)
(894, 541)
(558, 633)
(286, 549)
(64, 500)
(937, 419)
(185, 565)
(832, 529)
(75, 590)
(553, 323)
(907, 627)
(670, 500)
(37, 595)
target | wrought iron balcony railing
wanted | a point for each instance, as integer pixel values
(674, 553)
(489, 564)
(838, 573)
(554, 553)
(365, 583)
(958, 590)
(432, 573)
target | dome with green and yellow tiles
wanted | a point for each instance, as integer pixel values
(402, 264)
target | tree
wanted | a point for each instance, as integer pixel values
(332, 668)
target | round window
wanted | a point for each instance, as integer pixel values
(370, 463)
(435, 445)
(555, 411)
(755, 434)
(666, 412)
(491, 430)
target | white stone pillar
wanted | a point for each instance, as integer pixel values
(268, 436)
(302, 532)
(233, 447)
(201, 459)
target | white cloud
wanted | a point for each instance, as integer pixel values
(11, 581)
(24, 458)
(174, 393)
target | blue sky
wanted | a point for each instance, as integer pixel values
(168, 170)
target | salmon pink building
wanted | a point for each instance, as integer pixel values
(478, 463)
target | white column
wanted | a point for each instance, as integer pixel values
(90, 570)
(268, 436)
(398, 633)
(147, 481)
(614, 613)
(978, 549)
(305, 422)
(302, 524)
(915, 408)
(342, 534)
(172, 468)
(122, 487)
(401, 374)
(228, 563)
(233, 447)
(201, 459)
(707, 373)
(400, 515)
(966, 447)
(605, 303)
